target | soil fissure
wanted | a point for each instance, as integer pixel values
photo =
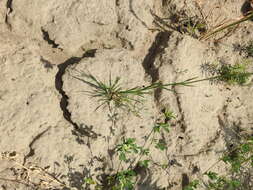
(78, 130)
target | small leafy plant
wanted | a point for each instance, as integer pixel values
(133, 156)
(230, 74)
(238, 159)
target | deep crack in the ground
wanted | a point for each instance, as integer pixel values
(180, 109)
(156, 50)
(9, 11)
(79, 131)
(47, 38)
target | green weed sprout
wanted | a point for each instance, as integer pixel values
(126, 147)
(113, 95)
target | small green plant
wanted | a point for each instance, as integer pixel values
(126, 147)
(112, 94)
(249, 49)
(239, 158)
(230, 74)
(217, 182)
(133, 155)
(236, 74)
(192, 185)
(124, 180)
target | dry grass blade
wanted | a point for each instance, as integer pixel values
(226, 26)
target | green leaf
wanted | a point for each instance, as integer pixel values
(165, 126)
(169, 115)
(89, 181)
(144, 151)
(235, 183)
(245, 148)
(122, 157)
(144, 163)
(212, 175)
(161, 145)
(192, 185)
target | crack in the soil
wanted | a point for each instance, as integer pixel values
(9, 5)
(31, 149)
(9, 11)
(180, 109)
(156, 49)
(231, 130)
(47, 38)
(79, 131)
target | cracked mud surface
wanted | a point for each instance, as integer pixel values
(48, 121)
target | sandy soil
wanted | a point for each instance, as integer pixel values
(49, 123)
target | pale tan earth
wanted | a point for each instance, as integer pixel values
(43, 44)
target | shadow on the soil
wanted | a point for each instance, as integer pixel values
(246, 8)
(76, 177)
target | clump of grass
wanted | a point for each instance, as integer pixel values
(113, 95)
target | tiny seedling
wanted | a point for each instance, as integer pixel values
(192, 185)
